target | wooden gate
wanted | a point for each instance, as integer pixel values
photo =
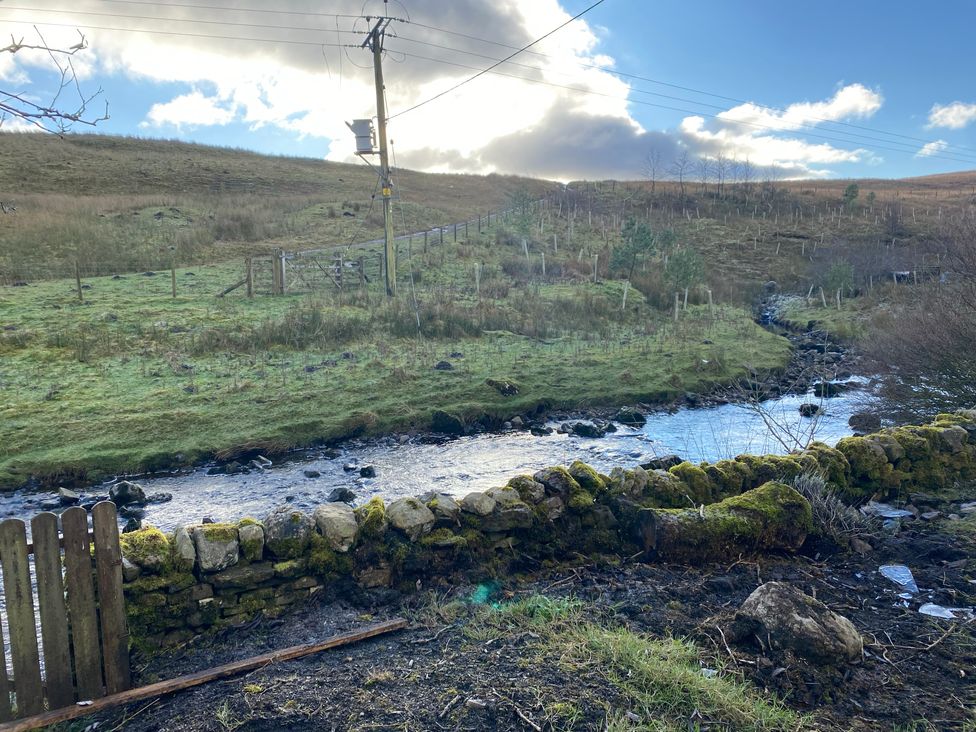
(83, 633)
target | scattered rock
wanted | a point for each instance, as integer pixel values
(630, 417)
(312, 474)
(588, 430)
(131, 525)
(125, 492)
(503, 386)
(830, 389)
(288, 532)
(351, 467)
(411, 517)
(367, 471)
(861, 547)
(68, 497)
(443, 366)
(810, 410)
(337, 523)
(342, 495)
(664, 462)
(517, 422)
(160, 497)
(864, 422)
(789, 618)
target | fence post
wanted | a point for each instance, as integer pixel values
(249, 276)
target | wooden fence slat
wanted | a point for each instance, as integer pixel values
(81, 604)
(53, 611)
(5, 710)
(111, 603)
(20, 618)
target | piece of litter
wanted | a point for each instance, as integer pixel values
(946, 613)
(709, 673)
(900, 575)
(885, 511)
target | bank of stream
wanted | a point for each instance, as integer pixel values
(477, 462)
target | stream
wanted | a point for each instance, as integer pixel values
(478, 462)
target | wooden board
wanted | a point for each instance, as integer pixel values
(5, 710)
(201, 677)
(111, 603)
(53, 611)
(20, 617)
(81, 604)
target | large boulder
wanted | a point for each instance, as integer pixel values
(410, 516)
(337, 523)
(288, 532)
(789, 618)
(126, 493)
(216, 546)
(529, 490)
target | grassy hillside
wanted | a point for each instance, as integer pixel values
(554, 297)
(117, 204)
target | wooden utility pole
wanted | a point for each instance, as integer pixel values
(374, 42)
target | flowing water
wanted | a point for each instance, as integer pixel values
(479, 462)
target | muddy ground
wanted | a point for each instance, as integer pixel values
(442, 673)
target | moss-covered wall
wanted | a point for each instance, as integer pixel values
(207, 575)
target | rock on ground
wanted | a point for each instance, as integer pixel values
(789, 618)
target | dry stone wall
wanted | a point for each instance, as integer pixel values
(217, 574)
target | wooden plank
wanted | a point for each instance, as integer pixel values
(53, 611)
(81, 604)
(111, 603)
(201, 677)
(20, 617)
(5, 710)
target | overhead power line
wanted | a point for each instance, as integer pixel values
(482, 72)
(682, 110)
(634, 90)
(679, 87)
(169, 19)
(157, 32)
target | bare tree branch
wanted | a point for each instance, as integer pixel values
(52, 116)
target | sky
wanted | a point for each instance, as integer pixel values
(630, 89)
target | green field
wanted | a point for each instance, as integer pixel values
(134, 379)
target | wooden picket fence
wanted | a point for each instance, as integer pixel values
(84, 636)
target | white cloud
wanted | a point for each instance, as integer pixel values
(494, 124)
(954, 116)
(854, 101)
(193, 109)
(752, 132)
(932, 148)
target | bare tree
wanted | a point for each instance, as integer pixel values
(69, 104)
(652, 166)
(703, 167)
(747, 174)
(680, 169)
(721, 168)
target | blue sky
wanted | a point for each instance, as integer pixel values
(897, 68)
